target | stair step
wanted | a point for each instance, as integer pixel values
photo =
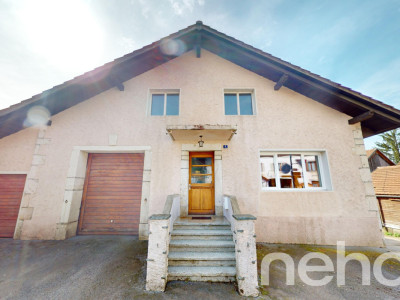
(215, 274)
(201, 256)
(201, 245)
(223, 222)
(202, 263)
(202, 259)
(201, 232)
(201, 226)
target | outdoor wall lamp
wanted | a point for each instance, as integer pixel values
(201, 142)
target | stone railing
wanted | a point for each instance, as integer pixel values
(242, 226)
(160, 226)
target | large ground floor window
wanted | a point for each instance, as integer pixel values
(294, 170)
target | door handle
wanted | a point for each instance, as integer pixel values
(190, 186)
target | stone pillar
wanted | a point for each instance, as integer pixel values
(246, 255)
(218, 185)
(365, 174)
(184, 182)
(72, 196)
(144, 207)
(157, 256)
(32, 182)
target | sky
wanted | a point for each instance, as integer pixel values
(47, 42)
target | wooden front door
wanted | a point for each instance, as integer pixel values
(201, 183)
(112, 194)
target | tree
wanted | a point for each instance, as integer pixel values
(390, 145)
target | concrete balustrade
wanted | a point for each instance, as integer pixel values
(242, 226)
(160, 226)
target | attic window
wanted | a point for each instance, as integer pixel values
(239, 102)
(164, 103)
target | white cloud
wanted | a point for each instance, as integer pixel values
(66, 44)
(128, 45)
(180, 6)
(145, 8)
(384, 84)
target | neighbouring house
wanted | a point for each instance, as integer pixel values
(387, 189)
(377, 159)
(197, 124)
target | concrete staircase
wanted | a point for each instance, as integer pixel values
(202, 250)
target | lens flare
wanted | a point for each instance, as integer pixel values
(37, 116)
(173, 47)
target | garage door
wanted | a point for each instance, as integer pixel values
(112, 194)
(11, 189)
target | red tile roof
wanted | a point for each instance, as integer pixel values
(387, 180)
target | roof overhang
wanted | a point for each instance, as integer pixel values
(383, 156)
(381, 117)
(208, 132)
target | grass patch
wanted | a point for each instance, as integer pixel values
(394, 234)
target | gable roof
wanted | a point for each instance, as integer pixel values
(380, 117)
(375, 151)
(387, 180)
(370, 152)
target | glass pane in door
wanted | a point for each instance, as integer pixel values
(201, 161)
(202, 179)
(201, 170)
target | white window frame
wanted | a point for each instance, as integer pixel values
(165, 92)
(323, 169)
(238, 92)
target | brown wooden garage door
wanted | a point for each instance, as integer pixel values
(11, 189)
(112, 194)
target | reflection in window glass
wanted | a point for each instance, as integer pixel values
(157, 105)
(268, 171)
(172, 105)
(230, 104)
(290, 171)
(293, 170)
(201, 179)
(313, 172)
(201, 170)
(201, 161)
(246, 107)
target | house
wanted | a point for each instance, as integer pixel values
(377, 159)
(195, 124)
(387, 188)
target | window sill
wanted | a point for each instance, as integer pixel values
(240, 115)
(295, 190)
(164, 116)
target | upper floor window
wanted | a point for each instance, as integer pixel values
(239, 102)
(294, 170)
(164, 103)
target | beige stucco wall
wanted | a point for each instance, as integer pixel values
(16, 151)
(284, 120)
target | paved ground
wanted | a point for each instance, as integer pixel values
(393, 244)
(353, 289)
(86, 267)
